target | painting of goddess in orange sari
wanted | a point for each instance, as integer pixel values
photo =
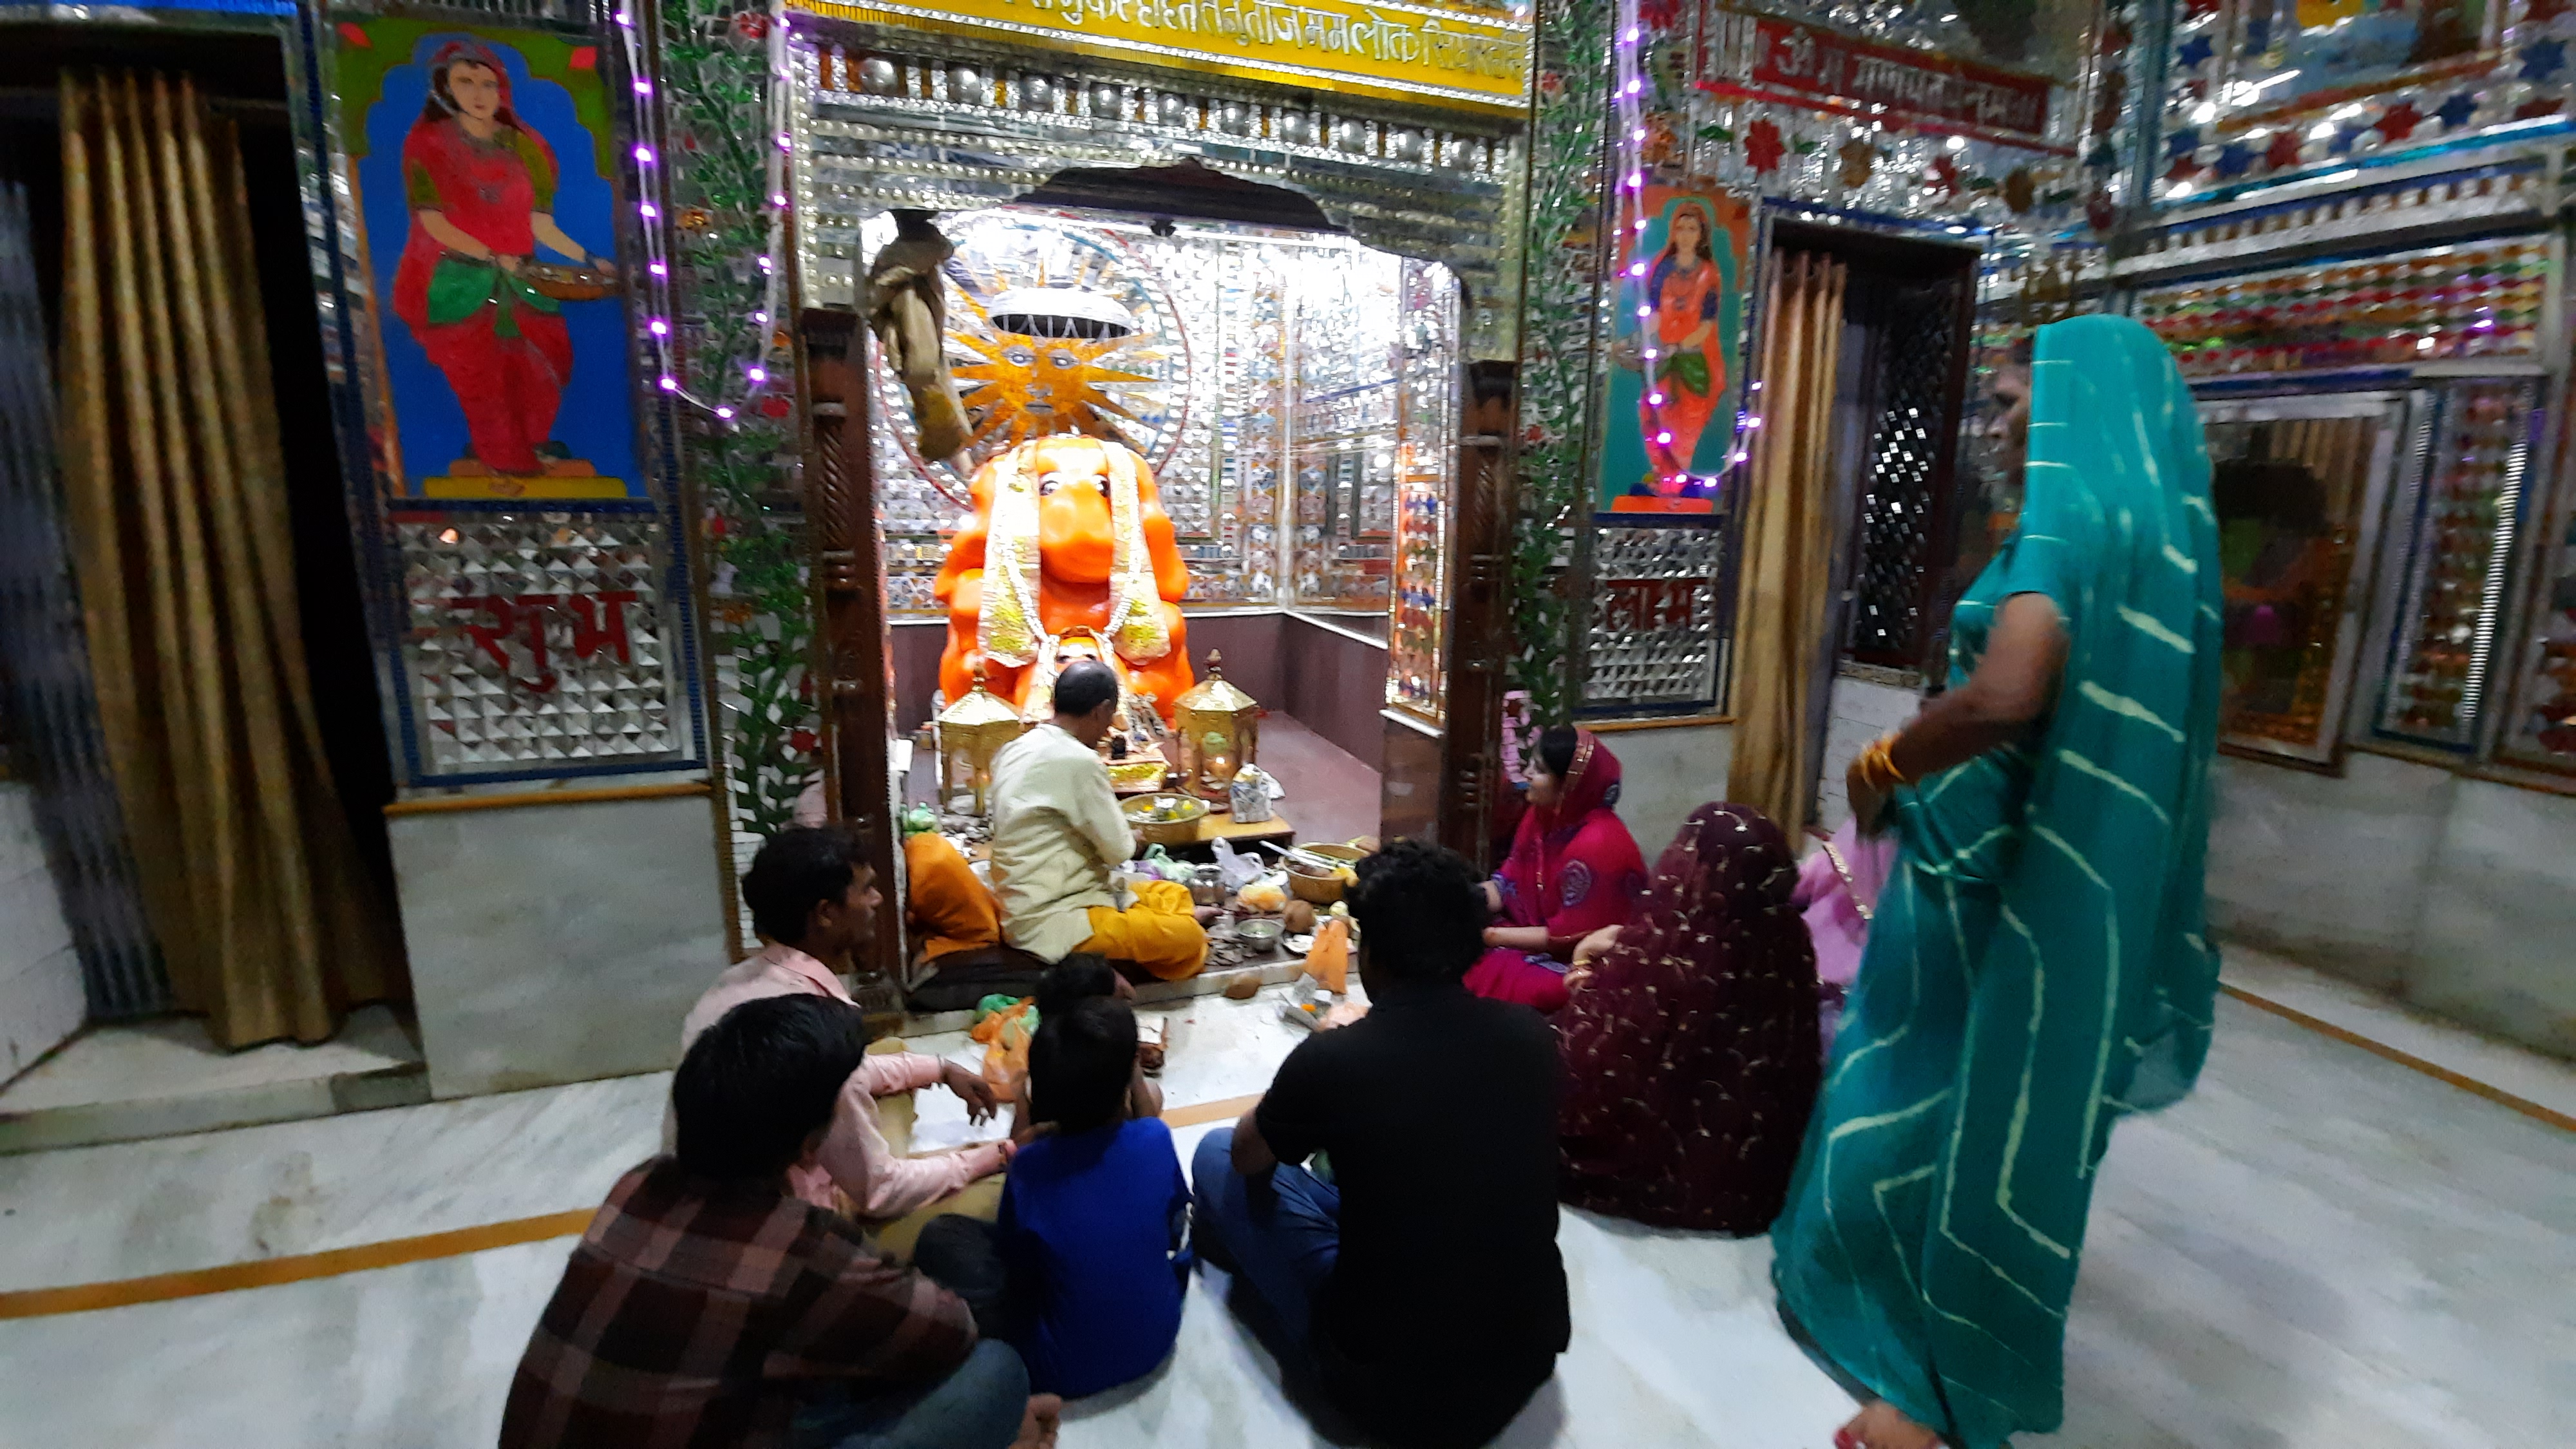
(1680, 321)
(1689, 372)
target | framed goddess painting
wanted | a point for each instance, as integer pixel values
(1675, 351)
(480, 159)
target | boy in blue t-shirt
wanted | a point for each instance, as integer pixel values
(1085, 1270)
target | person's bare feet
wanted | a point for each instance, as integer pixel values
(1037, 1427)
(1880, 1426)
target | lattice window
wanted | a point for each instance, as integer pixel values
(1905, 479)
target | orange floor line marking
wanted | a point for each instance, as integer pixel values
(2470, 1085)
(293, 1268)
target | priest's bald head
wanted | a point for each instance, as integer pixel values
(1086, 700)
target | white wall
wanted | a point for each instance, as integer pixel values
(2455, 895)
(40, 980)
(1664, 775)
(557, 943)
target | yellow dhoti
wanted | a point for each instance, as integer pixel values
(1158, 932)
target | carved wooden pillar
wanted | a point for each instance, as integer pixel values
(1480, 621)
(853, 656)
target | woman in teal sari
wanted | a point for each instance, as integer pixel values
(2035, 970)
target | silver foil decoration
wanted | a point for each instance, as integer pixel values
(879, 76)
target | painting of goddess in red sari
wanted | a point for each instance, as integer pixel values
(487, 194)
(481, 188)
(1680, 323)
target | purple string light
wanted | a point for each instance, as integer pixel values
(656, 240)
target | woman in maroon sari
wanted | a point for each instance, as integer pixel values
(1574, 869)
(1690, 1042)
(482, 187)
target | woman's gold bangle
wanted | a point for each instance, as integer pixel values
(1878, 766)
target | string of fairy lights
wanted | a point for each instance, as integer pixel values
(751, 374)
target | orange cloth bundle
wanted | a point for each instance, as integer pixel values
(1330, 960)
(1005, 1035)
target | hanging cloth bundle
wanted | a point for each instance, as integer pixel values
(907, 307)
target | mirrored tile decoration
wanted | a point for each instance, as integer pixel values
(2257, 92)
(2460, 530)
(1261, 358)
(1654, 638)
(880, 120)
(541, 642)
(1345, 426)
(1426, 486)
(2480, 300)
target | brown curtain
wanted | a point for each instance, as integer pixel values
(1787, 559)
(176, 497)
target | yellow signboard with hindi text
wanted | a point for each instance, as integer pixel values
(1474, 58)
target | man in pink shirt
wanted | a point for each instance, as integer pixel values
(813, 898)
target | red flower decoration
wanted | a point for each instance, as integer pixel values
(583, 57)
(1763, 147)
(773, 407)
(2532, 110)
(2194, 9)
(2283, 153)
(2184, 168)
(2100, 210)
(750, 24)
(1535, 435)
(2399, 122)
(1945, 176)
(803, 742)
(1550, 84)
(356, 34)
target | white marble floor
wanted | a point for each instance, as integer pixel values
(2320, 1248)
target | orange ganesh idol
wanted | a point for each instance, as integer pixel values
(1069, 534)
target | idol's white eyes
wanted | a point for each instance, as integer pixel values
(1051, 482)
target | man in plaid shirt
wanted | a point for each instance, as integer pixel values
(707, 1305)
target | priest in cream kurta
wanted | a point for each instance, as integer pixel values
(1058, 834)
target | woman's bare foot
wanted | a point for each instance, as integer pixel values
(1880, 1426)
(1038, 1425)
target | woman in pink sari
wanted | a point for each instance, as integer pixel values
(1574, 869)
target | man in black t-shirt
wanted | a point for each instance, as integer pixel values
(1423, 1276)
